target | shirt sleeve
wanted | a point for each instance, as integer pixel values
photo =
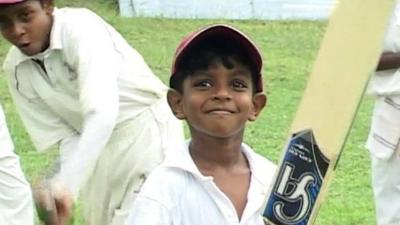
(156, 204)
(44, 127)
(148, 211)
(96, 59)
(16, 204)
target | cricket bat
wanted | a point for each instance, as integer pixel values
(348, 55)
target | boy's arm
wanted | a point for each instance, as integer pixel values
(95, 60)
(389, 60)
(79, 153)
(44, 127)
(16, 203)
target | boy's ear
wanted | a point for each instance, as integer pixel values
(48, 5)
(259, 101)
(174, 99)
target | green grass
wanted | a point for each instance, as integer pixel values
(289, 49)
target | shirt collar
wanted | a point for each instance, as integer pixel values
(180, 158)
(258, 165)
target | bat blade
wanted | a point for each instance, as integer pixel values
(347, 56)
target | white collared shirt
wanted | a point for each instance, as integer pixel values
(16, 204)
(176, 193)
(93, 81)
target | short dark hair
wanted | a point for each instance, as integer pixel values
(201, 56)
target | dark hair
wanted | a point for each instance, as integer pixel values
(201, 56)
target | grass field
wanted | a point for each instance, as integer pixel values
(289, 49)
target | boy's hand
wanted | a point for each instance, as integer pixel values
(54, 204)
(64, 205)
(45, 206)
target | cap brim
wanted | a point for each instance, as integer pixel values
(4, 2)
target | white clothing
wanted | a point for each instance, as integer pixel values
(91, 83)
(108, 196)
(384, 136)
(386, 187)
(176, 193)
(16, 203)
(396, 14)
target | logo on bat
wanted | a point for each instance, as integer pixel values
(298, 182)
(295, 191)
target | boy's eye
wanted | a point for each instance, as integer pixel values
(25, 16)
(239, 84)
(4, 24)
(203, 84)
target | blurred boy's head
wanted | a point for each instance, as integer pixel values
(27, 24)
(216, 81)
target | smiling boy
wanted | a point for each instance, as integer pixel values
(213, 178)
(77, 84)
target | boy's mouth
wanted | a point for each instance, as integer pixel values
(220, 111)
(23, 45)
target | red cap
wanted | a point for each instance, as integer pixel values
(221, 31)
(10, 1)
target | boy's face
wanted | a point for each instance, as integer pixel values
(27, 25)
(217, 101)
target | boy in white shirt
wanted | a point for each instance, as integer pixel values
(16, 204)
(77, 83)
(213, 178)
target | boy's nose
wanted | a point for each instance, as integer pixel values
(222, 93)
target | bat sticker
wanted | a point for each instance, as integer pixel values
(299, 181)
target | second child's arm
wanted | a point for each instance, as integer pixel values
(16, 204)
(95, 60)
(388, 61)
